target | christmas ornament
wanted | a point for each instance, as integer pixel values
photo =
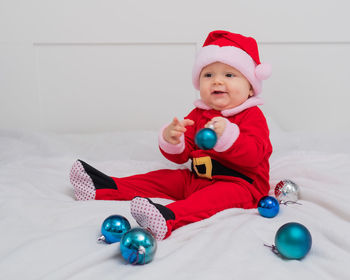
(113, 228)
(292, 241)
(268, 206)
(287, 191)
(138, 246)
(206, 138)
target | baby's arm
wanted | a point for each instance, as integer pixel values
(245, 143)
(175, 130)
(176, 140)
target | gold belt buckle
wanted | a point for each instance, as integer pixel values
(208, 166)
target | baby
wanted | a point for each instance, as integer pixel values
(233, 174)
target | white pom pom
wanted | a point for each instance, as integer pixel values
(263, 71)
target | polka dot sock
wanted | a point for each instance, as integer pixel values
(86, 180)
(151, 216)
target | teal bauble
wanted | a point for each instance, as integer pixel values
(113, 228)
(138, 246)
(206, 138)
(293, 241)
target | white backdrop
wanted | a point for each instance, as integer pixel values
(91, 66)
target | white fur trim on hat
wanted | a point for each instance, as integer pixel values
(234, 57)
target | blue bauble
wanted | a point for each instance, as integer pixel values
(293, 241)
(113, 228)
(268, 206)
(206, 138)
(138, 246)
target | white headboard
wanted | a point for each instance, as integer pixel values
(90, 66)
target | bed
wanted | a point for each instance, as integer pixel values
(47, 234)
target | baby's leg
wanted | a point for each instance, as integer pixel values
(158, 218)
(89, 183)
(208, 201)
(164, 183)
(87, 180)
(202, 199)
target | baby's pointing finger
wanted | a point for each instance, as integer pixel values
(187, 122)
(175, 121)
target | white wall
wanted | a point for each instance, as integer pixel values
(88, 65)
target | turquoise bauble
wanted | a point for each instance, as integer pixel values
(268, 207)
(293, 241)
(206, 138)
(113, 228)
(138, 246)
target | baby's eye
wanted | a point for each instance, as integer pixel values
(207, 75)
(229, 75)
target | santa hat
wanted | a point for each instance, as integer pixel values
(235, 50)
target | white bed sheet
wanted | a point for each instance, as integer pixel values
(46, 234)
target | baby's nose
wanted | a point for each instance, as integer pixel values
(217, 81)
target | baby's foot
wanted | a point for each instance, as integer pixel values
(152, 216)
(84, 188)
(86, 180)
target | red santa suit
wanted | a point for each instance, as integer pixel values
(236, 170)
(234, 174)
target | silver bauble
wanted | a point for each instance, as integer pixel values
(287, 191)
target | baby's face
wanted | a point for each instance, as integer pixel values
(223, 87)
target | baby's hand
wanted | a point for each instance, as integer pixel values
(173, 131)
(219, 124)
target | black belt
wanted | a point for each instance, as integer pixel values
(207, 167)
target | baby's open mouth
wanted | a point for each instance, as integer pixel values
(218, 92)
